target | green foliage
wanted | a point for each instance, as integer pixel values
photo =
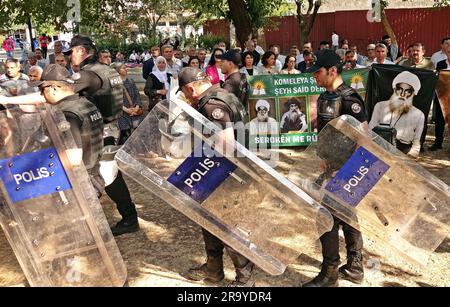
(256, 10)
(13, 12)
(259, 10)
(285, 9)
(441, 3)
(208, 41)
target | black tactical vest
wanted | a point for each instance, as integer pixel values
(108, 99)
(329, 105)
(91, 128)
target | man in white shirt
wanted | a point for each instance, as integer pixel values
(367, 60)
(257, 47)
(399, 113)
(381, 55)
(40, 58)
(174, 65)
(133, 57)
(441, 54)
(350, 61)
(296, 53)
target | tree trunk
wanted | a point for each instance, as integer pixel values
(387, 27)
(262, 38)
(30, 28)
(241, 21)
(306, 21)
(182, 23)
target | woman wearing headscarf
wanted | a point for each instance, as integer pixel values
(132, 114)
(157, 87)
(213, 69)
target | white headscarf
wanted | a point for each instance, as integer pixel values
(161, 75)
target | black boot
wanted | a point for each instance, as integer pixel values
(244, 276)
(211, 271)
(125, 226)
(353, 270)
(328, 277)
(435, 146)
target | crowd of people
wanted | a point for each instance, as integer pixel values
(217, 86)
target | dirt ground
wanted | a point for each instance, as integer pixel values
(169, 243)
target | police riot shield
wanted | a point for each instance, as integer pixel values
(369, 184)
(183, 158)
(49, 209)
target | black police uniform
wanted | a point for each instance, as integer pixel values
(86, 124)
(103, 86)
(94, 85)
(344, 100)
(222, 107)
(237, 84)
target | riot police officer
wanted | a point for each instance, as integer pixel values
(339, 99)
(221, 107)
(236, 82)
(103, 86)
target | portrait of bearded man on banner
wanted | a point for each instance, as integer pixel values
(293, 120)
(399, 114)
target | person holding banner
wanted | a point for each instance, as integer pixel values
(399, 113)
(290, 66)
(418, 59)
(268, 64)
(381, 55)
(223, 108)
(338, 100)
(248, 66)
(441, 54)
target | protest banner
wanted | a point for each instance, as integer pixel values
(380, 86)
(283, 108)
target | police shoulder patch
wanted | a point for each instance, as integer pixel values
(218, 114)
(356, 108)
